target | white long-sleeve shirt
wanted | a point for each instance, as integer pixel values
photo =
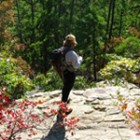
(73, 59)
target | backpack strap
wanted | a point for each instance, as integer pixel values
(65, 49)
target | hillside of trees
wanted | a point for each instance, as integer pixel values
(107, 31)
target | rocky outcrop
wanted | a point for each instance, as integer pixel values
(99, 118)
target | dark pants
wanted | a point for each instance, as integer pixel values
(68, 81)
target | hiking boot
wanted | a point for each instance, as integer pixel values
(67, 112)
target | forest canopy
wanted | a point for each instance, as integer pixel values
(107, 31)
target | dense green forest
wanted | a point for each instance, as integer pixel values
(107, 31)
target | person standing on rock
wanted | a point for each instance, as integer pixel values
(72, 63)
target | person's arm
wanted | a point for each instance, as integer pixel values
(73, 59)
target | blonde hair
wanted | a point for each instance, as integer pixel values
(70, 40)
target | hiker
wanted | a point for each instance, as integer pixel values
(73, 62)
(66, 61)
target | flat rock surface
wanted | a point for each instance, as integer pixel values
(100, 118)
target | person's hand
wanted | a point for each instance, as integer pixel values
(81, 59)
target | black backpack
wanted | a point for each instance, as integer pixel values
(58, 55)
(58, 58)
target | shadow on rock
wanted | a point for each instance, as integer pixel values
(57, 132)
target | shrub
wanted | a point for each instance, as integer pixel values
(13, 78)
(120, 69)
(82, 83)
(129, 48)
(49, 82)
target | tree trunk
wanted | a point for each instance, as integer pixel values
(108, 26)
(19, 21)
(32, 16)
(94, 43)
(121, 22)
(112, 20)
(121, 17)
(108, 20)
(71, 14)
(60, 8)
(94, 62)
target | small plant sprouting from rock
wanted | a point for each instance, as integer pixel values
(132, 114)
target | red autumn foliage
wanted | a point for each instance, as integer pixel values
(17, 116)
